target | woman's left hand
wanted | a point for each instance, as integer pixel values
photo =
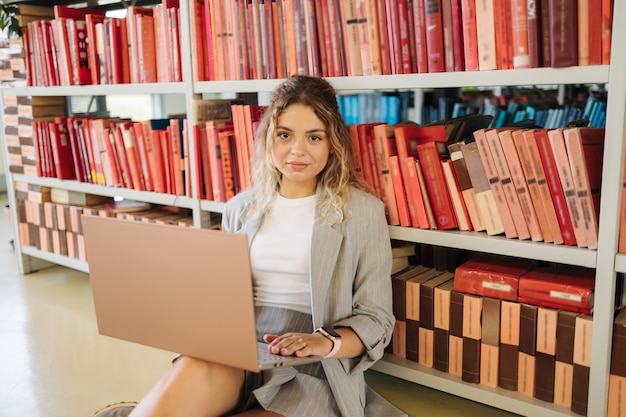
(299, 344)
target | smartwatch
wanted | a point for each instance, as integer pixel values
(333, 336)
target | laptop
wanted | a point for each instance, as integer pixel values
(181, 289)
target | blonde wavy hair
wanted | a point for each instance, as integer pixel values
(338, 175)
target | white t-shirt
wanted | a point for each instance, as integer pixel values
(280, 255)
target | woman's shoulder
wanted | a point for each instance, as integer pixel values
(359, 197)
(236, 205)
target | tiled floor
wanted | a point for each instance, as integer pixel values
(54, 363)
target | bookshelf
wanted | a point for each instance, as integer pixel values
(605, 259)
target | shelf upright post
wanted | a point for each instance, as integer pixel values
(612, 180)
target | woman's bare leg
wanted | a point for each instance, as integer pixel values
(193, 388)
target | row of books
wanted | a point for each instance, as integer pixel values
(538, 351)
(50, 219)
(378, 106)
(273, 39)
(533, 184)
(151, 155)
(506, 111)
(83, 46)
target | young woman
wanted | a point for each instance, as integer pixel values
(321, 262)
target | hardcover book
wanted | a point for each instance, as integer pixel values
(491, 277)
(570, 289)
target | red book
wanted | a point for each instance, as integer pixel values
(368, 155)
(434, 35)
(564, 287)
(393, 33)
(533, 10)
(176, 156)
(228, 159)
(61, 150)
(554, 184)
(203, 171)
(491, 277)
(448, 43)
(405, 43)
(430, 160)
(470, 34)
(595, 35)
(563, 32)
(457, 36)
(421, 53)
(122, 157)
(78, 154)
(408, 136)
(198, 40)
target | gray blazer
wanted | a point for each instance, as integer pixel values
(350, 287)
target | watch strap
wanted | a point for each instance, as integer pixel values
(336, 342)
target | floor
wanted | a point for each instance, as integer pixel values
(55, 364)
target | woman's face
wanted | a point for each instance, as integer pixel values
(300, 151)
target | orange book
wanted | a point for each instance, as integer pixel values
(215, 158)
(584, 9)
(559, 152)
(485, 200)
(352, 46)
(529, 214)
(132, 154)
(485, 35)
(368, 155)
(177, 156)
(279, 41)
(494, 183)
(465, 185)
(399, 191)
(356, 149)
(203, 170)
(456, 196)
(607, 26)
(153, 151)
(374, 36)
(166, 157)
(470, 35)
(405, 40)
(533, 187)
(503, 32)
(134, 39)
(519, 26)
(122, 158)
(108, 155)
(427, 205)
(415, 198)
(537, 172)
(384, 146)
(146, 49)
(144, 160)
(595, 35)
(383, 37)
(161, 45)
(448, 41)
(585, 147)
(506, 173)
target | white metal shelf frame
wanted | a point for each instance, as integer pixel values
(604, 259)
